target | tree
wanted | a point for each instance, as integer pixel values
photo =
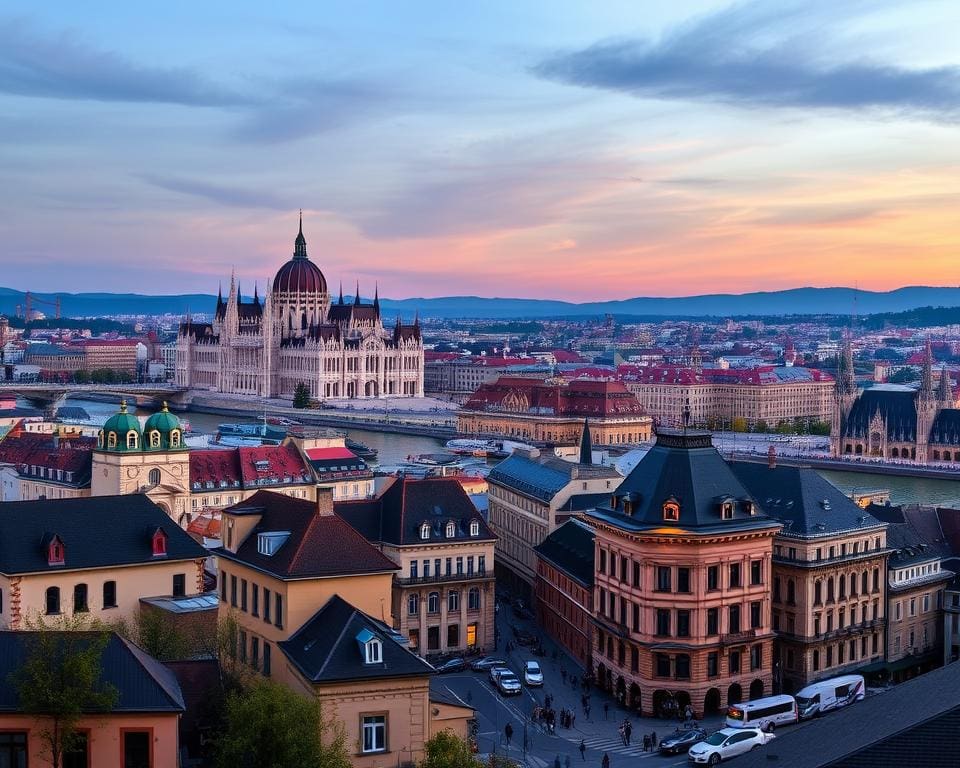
(760, 426)
(60, 680)
(270, 726)
(301, 395)
(739, 424)
(447, 750)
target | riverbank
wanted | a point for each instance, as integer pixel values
(865, 468)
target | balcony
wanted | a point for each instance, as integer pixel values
(739, 637)
(848, 631)
(407, 581)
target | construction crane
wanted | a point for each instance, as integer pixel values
(24, 310)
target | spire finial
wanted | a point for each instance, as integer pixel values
(356, 296)
(123, 405)
(341, 293)
(164, 409)
(300, 244)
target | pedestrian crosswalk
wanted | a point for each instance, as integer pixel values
(617, 747)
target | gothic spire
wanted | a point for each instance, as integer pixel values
(926, 381)
(586, 447)
(300, 244)
(341, 294)
(945, 393)
(376, 297)
(356, 296)
(239, 295)
(256, 297)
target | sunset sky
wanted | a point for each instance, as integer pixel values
(549, 149)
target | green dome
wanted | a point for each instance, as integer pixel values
(115, 435)
(162, 431)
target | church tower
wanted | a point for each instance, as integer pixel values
(844, 396)
(927, 404)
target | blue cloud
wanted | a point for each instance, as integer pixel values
(232, 196)
(755, 56)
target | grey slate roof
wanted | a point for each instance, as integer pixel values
(683, 467)
(325, 648)
(97, 532)
(545, 476)
(143, 684)
(910, 548)
(911, 725)
(807, 504)
(571, 549)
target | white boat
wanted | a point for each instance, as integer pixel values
(470, 447)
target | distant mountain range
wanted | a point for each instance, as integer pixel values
(795, 301)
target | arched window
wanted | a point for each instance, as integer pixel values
(863, 583)
(80, 599)
(425, 531)
(154, 476)
(671, 511)
(111, 440)
(818, 592)
(175, 439)
(473, 599)
(53, 600)
(109, 594)
(100, 439)
(453, 601)
(853, 585)
(433, 602)
(451, 530)
(830, 590)
(131, 439)
(154, 438)
(413, 605)
(474, 528)
(159, 542)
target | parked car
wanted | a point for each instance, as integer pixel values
(532, 674)
(487, 662)
(680, 741)
(508, 683)
(495, 672)
(727, 743)
(457, 664)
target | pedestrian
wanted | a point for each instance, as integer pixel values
(573, 719)
(646, 742)
(653, 739)
(556, 762)
(606, 710)
(628, 730)
(605, 763)
(508, 733)
(623, 735)
(583, 750)
(586, 711)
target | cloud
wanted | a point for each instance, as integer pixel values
(756, 55)
(219, 193)
(65, 67)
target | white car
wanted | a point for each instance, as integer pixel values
(532, 674)
(495, 672)
(727, 743)
(508, 683)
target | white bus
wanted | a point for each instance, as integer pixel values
(765, 714)
(826, 695)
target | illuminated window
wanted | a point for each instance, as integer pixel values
(671, 512)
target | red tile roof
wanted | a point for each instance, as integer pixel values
(322, 454)
(250, 467)
(581, 397)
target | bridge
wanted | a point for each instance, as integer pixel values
(51, 396)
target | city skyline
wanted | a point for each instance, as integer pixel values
(544, 151)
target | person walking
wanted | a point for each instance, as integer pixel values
(605, 763)
(627, 731)
(623, 735)
(583, 750)
(653, 739)
(508, 733)
(606, 710)
(646, 742)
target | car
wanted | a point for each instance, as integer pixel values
(457, 664)
(508, 683)
(488, 662)
(532, 674)
(680, 741)
(495, 672)
(727, 743)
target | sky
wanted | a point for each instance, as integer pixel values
(545, 149)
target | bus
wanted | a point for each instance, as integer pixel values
(827, 695)
(766, 713)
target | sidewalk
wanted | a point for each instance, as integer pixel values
(599, 732)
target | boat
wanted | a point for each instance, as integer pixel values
(363, 451)
(473, 447)
(249, 434)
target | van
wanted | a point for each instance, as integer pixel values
(765, 714)
(826, 695)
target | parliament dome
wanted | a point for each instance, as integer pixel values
(300, 274)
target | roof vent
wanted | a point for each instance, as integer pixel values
(825, 504)
(821, 526)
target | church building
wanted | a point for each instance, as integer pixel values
(297, 334)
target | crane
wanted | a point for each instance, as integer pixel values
(24, 310)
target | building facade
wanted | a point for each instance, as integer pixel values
(683, 569)
(298, 335)
(829, 575)
(554, 411)
(443, 595)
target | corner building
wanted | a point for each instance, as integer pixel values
(682, 586)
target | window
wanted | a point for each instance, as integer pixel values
(776, 589)
(754, 615)
(413, 568)
(53, 600)
(425, 532)
(829, 655)
(159, 543)
(663, 665)
(131, 439)
(136, 749)
(482, 565)
(791, 592)
(816, 660)
(734, 575)
(683, 623)
(413, 605)
(830, 590)
(242, 643)
(726, 510)
(663, 578)
(474, 528)
(683, 666)
(453, 635)
(734, 666)
(663, 622)
(266, 605)
(433, 602)
(683, 579)
(713, 664)
(13, 748)
(671, 512)
(713, 577)
(603, 561)
(453, 601)
(255, 652)
(180, 588)
(818, 592)
(734, 619)
(233, 591)
(374, 733)
(451, 530)
(55, 552)
(278, 610)
(473, 599)
(636, 573)
(713, 621)
(756, 657)
(876, 579)
(109, 594)
(80, 599)
(266, 658)
(254, 600)
(756, 571)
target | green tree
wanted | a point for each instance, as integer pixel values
(760, 426)
(447, 750)
(60, 680)
(160, 638)
(301, 395)
(270, 726)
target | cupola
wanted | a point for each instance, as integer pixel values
(121, 432)
(163, 431)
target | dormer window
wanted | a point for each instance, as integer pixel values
(55, 552)
(269, 542)
(112, 440)
(159, 543)
(726, 510)
(750, 507)
(370, 646)
(474, 528)
(175, 438)
(451, 530)
(425, 531)
(154, 438)
(671, 511)
(131, 439)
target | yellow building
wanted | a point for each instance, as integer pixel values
(95, 558)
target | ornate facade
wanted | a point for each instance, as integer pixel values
(895, 422)
(338, 349)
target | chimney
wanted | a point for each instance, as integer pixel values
(772, 457)
(324, 502)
